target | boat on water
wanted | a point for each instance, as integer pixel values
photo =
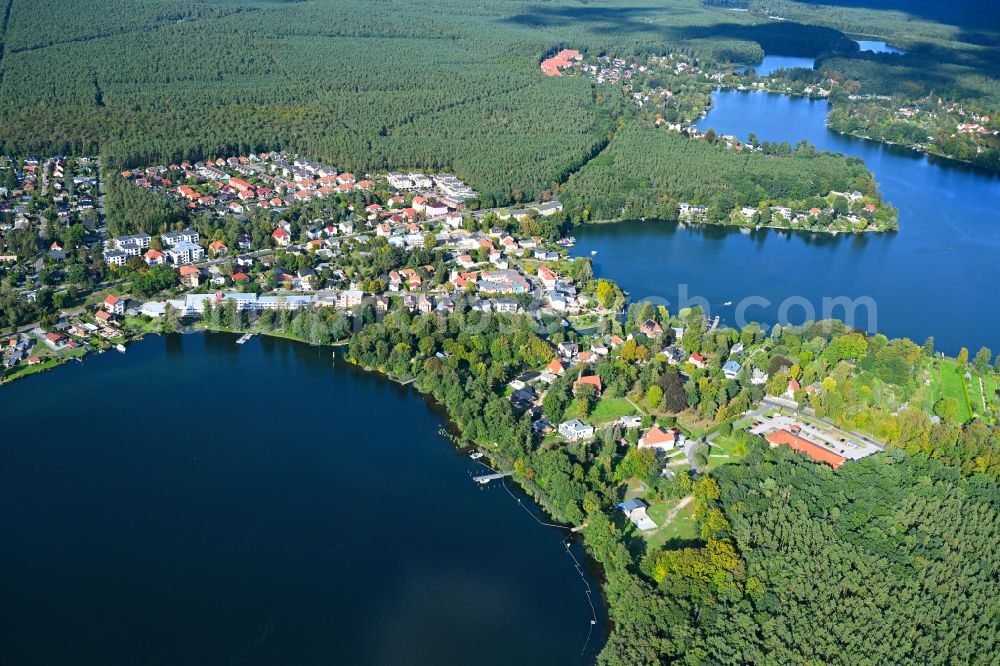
(593, 253)
(120, 347)
(476, 455)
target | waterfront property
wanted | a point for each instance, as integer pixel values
(635, 509)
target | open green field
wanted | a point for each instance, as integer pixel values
(683, 527)
(982, 393)
(611, 409)
(949, 382)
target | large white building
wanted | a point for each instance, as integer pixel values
(185, 252)
(172, 238)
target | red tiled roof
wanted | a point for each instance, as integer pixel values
(657, 435)
(811, 449)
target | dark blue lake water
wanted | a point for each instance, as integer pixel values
(195, 502)
(937, 276)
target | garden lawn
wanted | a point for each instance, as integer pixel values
(992, 384)
(611, 409)
(721, 452)
(951, 383)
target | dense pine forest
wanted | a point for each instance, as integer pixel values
(391, 84)
(894, 560)
(443, 84)
(891, 560)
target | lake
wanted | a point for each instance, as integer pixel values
(203, 503)
(877, 47)
(770, 63)
(937, 276)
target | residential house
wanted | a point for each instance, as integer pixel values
(190, 276)
(114, 305)
(630, 421)
(307, 278)
(115, 258)
(548, 277)
(575, 430)
(282, 237)
(568, 349)
(555, 367)
(435, 209)
(635, 509)
(651, 328)
(592, 380)
(658, 437)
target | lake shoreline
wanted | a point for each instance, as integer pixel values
(462, 446)
(736, 227)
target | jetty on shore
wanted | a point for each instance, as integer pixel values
(483, 479)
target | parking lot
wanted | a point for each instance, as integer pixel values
(829, 437)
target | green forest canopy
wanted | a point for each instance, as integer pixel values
(641, 164)
(439, 84)
(891, 559)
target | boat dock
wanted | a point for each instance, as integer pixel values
(486, 478)
(243, 338)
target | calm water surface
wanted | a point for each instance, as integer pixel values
(877, 47)
(773, 62)
(937, 276)
(195, 502)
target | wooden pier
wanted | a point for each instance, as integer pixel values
(483, 479)
(244, 338)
